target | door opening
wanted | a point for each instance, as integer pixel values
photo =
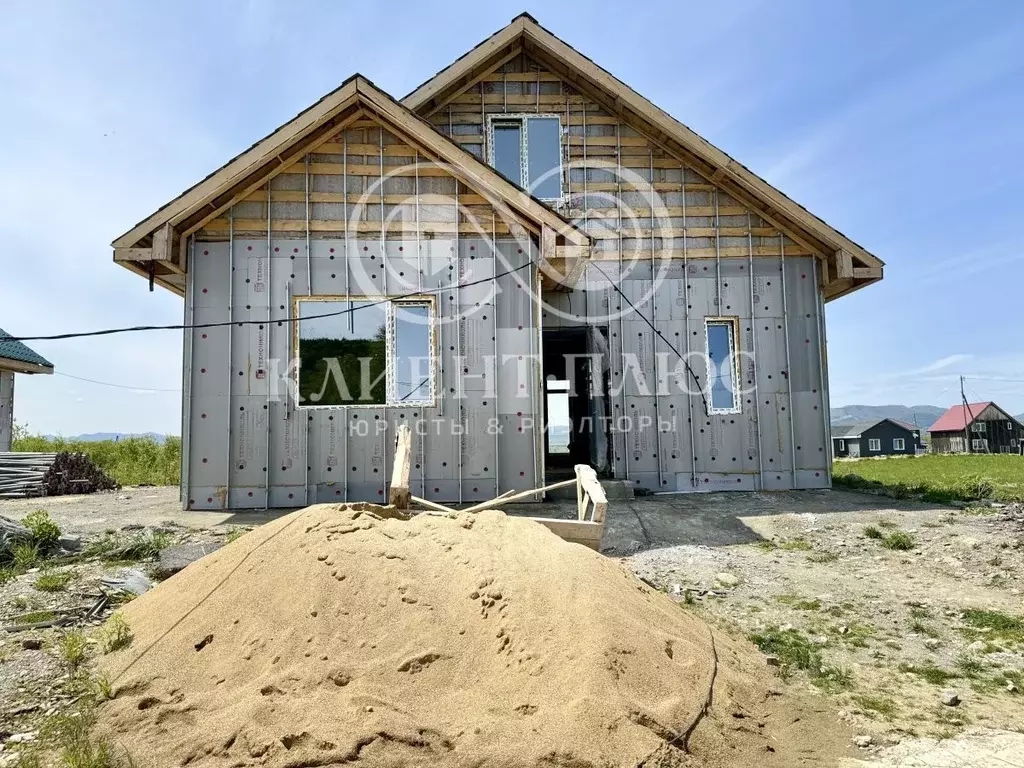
(574, 400)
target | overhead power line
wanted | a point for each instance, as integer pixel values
(111, 384)
(289, 320)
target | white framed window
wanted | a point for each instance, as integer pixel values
(527, 150)
(721, 338)
(1013, 442)
(874, 444)
(898, 444)
(365, 351)
(978, 426)
(842, 445)
(979, 444)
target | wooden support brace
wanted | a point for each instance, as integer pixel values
(399, 495)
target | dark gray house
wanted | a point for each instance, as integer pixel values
(871, 437)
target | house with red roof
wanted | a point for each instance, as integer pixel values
(976, 428)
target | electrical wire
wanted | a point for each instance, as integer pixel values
(226, 323)
(659, 334)
(111, 384)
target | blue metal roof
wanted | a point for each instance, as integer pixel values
(15, 350)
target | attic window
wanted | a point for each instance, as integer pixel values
(367, 351)
(527, 150)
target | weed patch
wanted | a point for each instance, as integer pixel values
(115, 634)
(45, 532)
(72, 647)
(54, 581)
(996, 624)
(794, 651)
(929, 673)
(898, 540)
(875, 704)
(873, 533)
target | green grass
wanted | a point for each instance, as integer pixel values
(116, 548)
(72, 647)
(796, 652)
(130, 461)
(929, 673)
(873, 533)
(899, 540)
(875, 704)
(998, 625)
(115, 634)
(24, 556)
(54, 581)
(798, 603)
(35, 617)
(45, 532)
(939, 478)
(6, 575)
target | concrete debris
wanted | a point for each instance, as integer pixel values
(727, 580)
(174, 559)
(863, 741)
(950, 698)
(129, 580)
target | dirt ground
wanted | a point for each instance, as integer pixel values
(900, 630)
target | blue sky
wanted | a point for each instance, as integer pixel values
(901, 124)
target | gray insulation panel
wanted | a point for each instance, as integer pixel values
(778, 440)
(250, 446)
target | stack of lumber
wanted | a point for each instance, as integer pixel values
(23, 475)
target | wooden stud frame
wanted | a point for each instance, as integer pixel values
(390, 400)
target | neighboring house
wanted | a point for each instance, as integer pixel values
(875, 437)
(976, 428)
(400, 234)
(15, 357)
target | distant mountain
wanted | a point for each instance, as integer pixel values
(95, 437)
(922, 416)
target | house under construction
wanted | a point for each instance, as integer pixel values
(523, 239)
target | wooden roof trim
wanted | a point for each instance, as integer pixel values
(665, 129)
(249, 170)
(244, 164)
(474, 172)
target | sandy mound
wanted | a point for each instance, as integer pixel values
(338, 635)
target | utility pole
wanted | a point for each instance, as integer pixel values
(967, 421)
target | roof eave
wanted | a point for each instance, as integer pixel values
(20, 366)
(825, 241)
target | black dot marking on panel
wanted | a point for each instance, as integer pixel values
(375, 470)
(241, 407)
(328, 469)
(330, 418)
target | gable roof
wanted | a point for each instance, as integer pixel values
(958, 417)
(848, 265)
(156, 243)
(15, 356)
(857, 428)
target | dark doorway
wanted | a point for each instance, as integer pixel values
(573, 399)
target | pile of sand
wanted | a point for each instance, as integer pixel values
(342, 634)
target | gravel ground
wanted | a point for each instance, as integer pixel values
(901, 625)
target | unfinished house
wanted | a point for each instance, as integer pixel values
(521, 241)
(15, 357)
